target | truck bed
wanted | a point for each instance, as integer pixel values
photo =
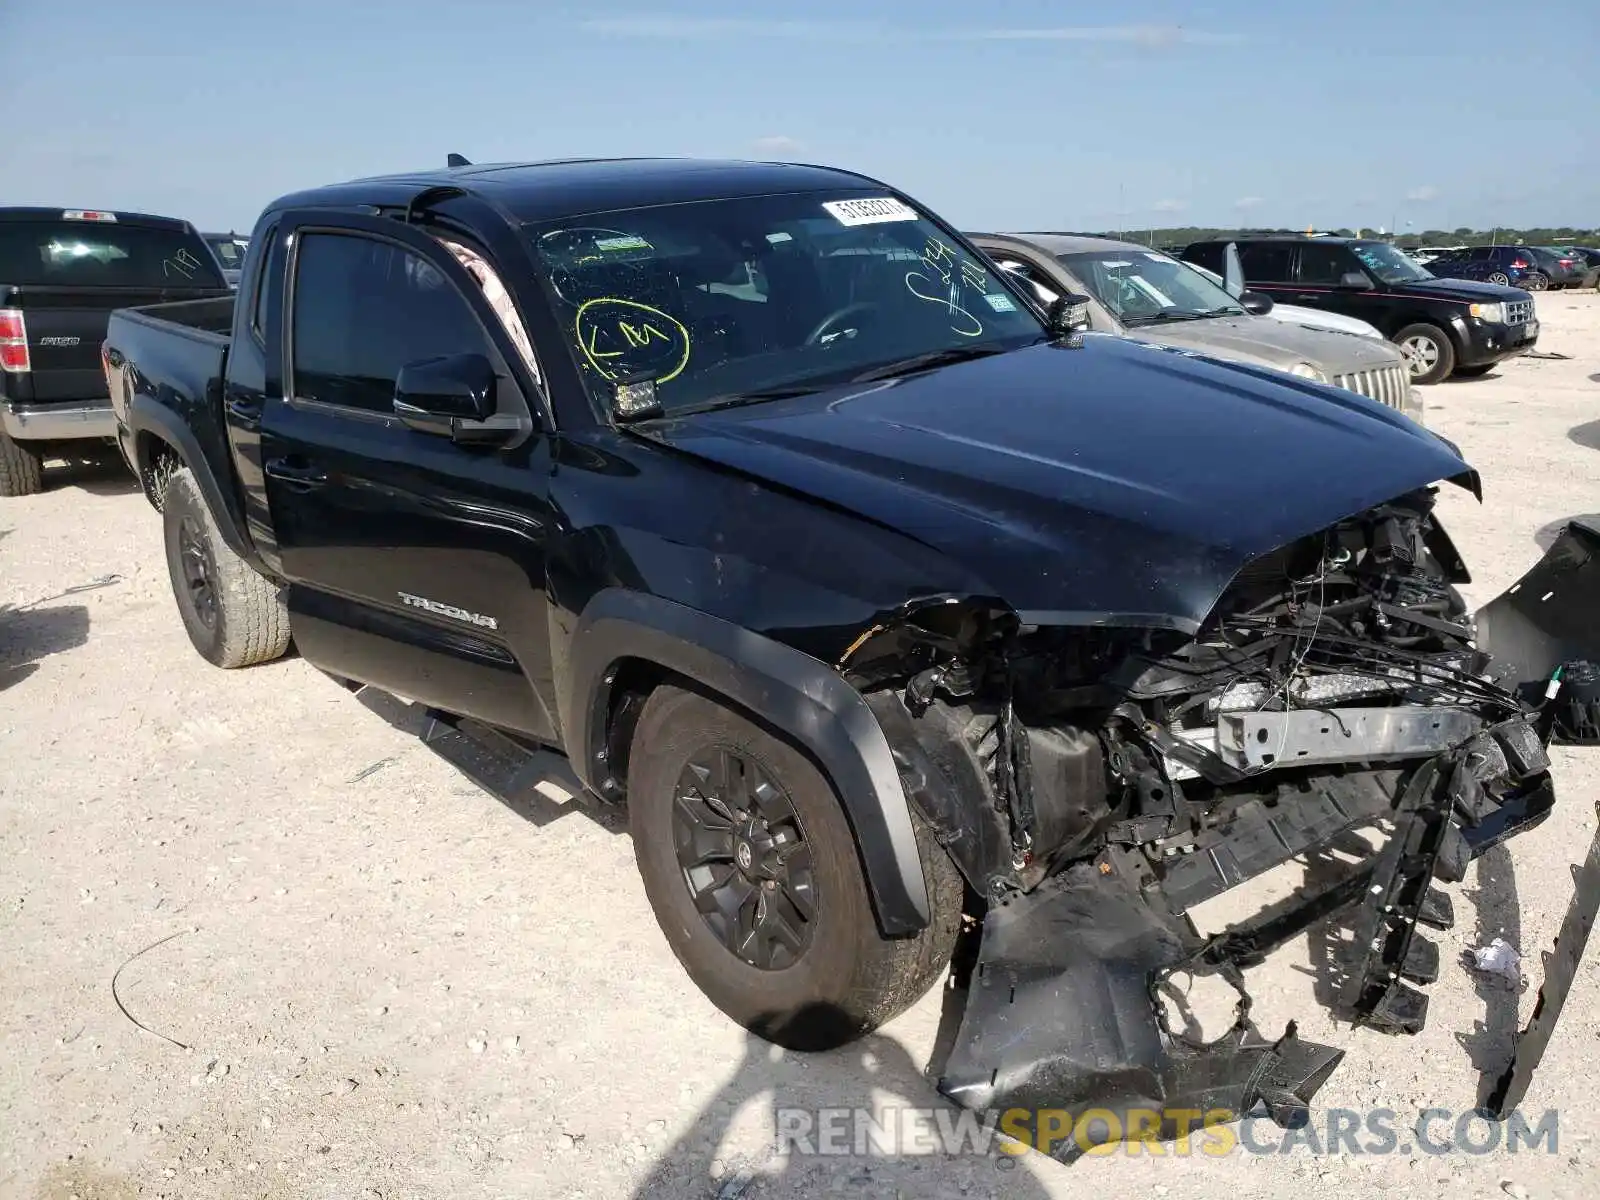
(165, 365)
(212, 316)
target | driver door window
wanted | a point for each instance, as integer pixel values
(362, 309)
(1324, 265)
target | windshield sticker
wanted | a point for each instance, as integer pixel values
(872, 211)
(941, 282)
(182, 264)
(624, 338)
(1001, 303)
(1161, 258)
(630, 241)
(780, 236)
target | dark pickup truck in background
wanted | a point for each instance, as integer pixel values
(877, 595)
(1443, 327)
(62, 271)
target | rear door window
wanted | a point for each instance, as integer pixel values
(99, 254)
(1212, 256)
(1265, 262)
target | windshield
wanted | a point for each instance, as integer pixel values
(1141, 286)
(735, 300)
(229, 252)
(1388, 264)
(79, 254)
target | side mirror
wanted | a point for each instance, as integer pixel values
(1355, 279)
(1258, 303)
(1069, 314)
(452, 396)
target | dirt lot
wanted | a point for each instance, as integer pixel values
(374, 980)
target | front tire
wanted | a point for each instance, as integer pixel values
(754, 875)
(234, 616)
(1536, 282)
(1430, 355)
(21, 468)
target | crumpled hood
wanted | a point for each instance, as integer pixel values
(1274, 343)
(1112, 482)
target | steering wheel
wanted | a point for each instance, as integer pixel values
(837, 315)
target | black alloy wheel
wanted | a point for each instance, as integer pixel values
(744, 858)
(199, 571)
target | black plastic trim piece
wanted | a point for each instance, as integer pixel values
(799, 695)
(145, 416)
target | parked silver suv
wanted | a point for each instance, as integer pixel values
(1138, 292)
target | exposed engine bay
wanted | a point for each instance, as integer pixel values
(1123, 776)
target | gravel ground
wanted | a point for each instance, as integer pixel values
(361, 976)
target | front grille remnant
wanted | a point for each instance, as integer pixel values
(1386, 385)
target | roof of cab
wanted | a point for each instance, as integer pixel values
(1070, 243)
(15, 212)
(540, 191)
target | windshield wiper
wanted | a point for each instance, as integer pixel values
(926, 362)
(1168, 316)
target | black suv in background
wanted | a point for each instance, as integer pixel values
(1443, 326)
(62, 271)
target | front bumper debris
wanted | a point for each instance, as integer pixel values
(1061, 1015)
(1062, 1011)
(1560, 969)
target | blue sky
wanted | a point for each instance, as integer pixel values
(1003, 114)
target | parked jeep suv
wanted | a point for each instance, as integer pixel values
(1443, 326)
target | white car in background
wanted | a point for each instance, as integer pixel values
(1311, 318)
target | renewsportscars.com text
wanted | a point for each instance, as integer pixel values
(1215, 1133)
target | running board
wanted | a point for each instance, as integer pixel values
(536, 783)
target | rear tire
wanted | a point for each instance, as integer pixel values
(234, 616)
(21, 469)
(1536, 282)
(1430, 355)
(830, 976)
(1501, 278)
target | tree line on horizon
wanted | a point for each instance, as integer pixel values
(1563, 236)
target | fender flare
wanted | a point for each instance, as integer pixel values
(801, 696)
(161, 423)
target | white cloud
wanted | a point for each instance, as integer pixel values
(1244, 202)
(1420, 194)
(675, 28)
(778, 145)
(1168, 206)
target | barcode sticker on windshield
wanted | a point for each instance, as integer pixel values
(871, 211)
(631, 241)
(1001, 303)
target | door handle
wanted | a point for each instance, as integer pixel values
(296, 473)
(248, 411)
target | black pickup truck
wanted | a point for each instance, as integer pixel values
(62, 271)
(878, 596)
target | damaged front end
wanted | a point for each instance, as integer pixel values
(1097, 783)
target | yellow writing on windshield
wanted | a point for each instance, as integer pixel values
(625, 337)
